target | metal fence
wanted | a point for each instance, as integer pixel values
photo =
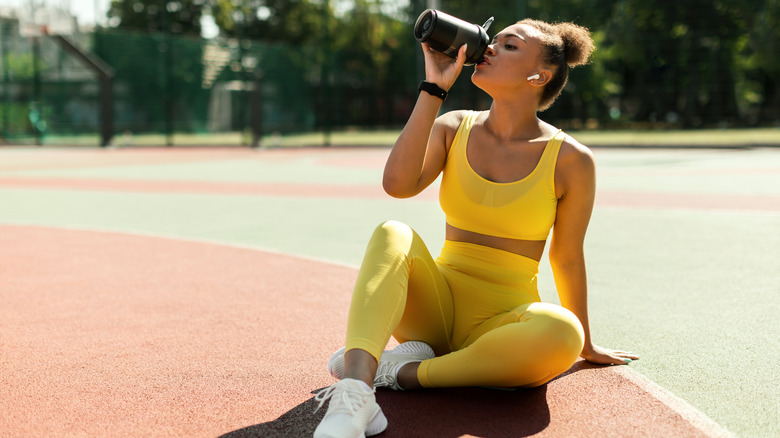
(113, 83)
(158, 84)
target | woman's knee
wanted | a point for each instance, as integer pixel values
(554, 342)
(560, 327)
(393, 230)
(392, 234)
(552, 332)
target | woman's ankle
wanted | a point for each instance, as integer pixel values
(360, 365)
(407, 376)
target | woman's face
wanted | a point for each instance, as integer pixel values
(512, 56)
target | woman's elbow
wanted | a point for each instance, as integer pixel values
(396, 188)
(566, 258)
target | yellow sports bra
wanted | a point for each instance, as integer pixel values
(523, 209)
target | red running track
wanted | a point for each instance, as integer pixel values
(116, 335)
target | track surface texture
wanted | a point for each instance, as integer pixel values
(200, 292)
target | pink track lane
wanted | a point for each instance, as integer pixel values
(633, 199)
(198, 187)
(108, 334)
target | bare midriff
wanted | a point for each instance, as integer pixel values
(532, 249)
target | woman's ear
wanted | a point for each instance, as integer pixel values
(541, 78)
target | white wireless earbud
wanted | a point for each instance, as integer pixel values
(532, 77)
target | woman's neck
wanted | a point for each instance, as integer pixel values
(514, 119)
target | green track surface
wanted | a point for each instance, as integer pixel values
(695, 291)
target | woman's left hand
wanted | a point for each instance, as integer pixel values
(606, 356)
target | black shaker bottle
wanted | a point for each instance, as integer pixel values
(445, 33)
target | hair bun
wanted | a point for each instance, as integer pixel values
(577, 43)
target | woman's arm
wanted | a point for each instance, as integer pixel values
(420, 151)
(576, 183)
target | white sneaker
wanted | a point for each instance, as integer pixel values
(352, 411)
(389, 364)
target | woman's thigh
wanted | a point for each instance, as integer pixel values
(428, 313)
(526, 346)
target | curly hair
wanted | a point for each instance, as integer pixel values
(564, 45)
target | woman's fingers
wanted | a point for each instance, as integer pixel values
(440, 68)
(624, 357)
(627, 355)
(461, 59)
(606, 356)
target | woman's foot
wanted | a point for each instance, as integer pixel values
(389, 364)
(352, 411)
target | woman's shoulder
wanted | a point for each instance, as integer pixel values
(453, 119)
(574, 153)
(575, 160)
(449, 123)
(575, 168)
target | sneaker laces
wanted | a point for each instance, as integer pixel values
(388, 378)
(349, 397)
(384, 381)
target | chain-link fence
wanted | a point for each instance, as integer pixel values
(114, 83)
(160, 84)
(165, 85)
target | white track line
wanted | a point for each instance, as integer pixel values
(692, 415)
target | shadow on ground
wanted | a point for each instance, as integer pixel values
(450, 412)
(439, 412)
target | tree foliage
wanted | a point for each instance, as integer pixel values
(170, 16)
(687, 62)
(291, 21)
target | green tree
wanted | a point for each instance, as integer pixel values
(174, 16)
(677, 58)
(293, 22)
(762, 59)
(368, 43)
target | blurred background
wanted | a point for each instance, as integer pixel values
(112, 72)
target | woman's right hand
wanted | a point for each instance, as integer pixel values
(440, 68)
(420, 151)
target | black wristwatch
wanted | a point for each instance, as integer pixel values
(432, 89)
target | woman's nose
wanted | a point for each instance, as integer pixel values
(490, 49)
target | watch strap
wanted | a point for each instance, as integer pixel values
(432, 89)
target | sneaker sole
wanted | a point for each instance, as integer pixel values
(378, 423)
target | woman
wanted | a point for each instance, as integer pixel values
(473, 316)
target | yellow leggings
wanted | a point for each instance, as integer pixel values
(478, 307)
